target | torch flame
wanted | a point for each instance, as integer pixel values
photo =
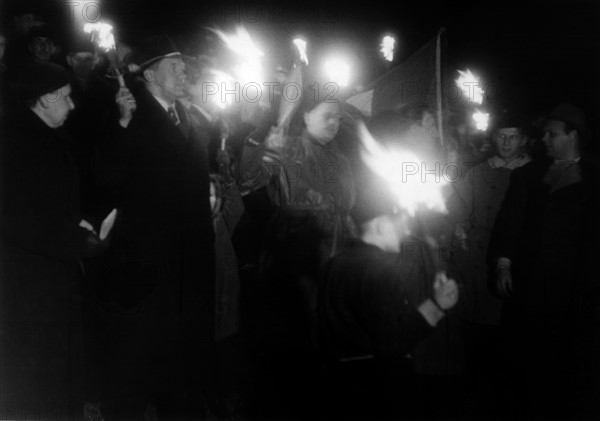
(411, 190)
(241, 43)
(338, 72)
(481, 120)
(248, 68)
(102, 34)
(387, 47)
(301, 45)
(470, 86)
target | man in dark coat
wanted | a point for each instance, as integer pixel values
(541, 247)
(378, 298)
(155, 162)
(43, 237)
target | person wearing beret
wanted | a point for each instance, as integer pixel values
(154, 160)
(543, 249)
(43, 237)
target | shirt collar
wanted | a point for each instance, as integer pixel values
(497, 162)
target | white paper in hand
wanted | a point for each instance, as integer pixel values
(107, 224)
(85, 224)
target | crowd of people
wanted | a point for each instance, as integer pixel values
(165, 259)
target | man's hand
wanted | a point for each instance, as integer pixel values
(445, 291)
(127, 106)
(276, 139)
(445, 296)
(504, 282)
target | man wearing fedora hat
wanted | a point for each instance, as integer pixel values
(541, 247)
(155, 162)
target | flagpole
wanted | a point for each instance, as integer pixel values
(438, 81)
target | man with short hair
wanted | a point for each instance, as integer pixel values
(474, 206)
(40, 43)
(542, 248)
(42, 238)
(154, 160)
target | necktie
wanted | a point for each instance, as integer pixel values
(173, 115)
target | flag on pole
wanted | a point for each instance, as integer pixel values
(416, 80)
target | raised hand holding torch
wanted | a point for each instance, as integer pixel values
(103, 36)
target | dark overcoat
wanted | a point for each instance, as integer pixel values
(40, 355)
(550, 236)
(162, 243)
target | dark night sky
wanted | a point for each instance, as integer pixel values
(538, 52)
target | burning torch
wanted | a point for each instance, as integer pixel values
(289, 105)
(387, 48)
(401, 170)
(301, 45)
(470, 86)
(102, 35)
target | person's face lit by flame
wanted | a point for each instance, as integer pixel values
(509, 142)
(167, 78)
(56, 106)
(559, 143)
(323, 122)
